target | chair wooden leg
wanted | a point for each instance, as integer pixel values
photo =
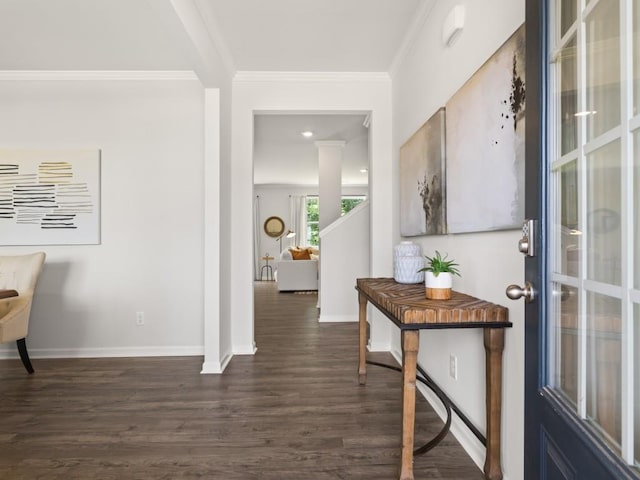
(24, 356)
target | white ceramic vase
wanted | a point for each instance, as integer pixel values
(407, 260)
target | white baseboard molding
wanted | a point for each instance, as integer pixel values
(107, 352)
(245, 350)
(337, 318)
(216, 367)
(378, 347)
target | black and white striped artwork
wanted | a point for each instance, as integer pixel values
(49, 197)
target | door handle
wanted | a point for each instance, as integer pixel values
(514, 292)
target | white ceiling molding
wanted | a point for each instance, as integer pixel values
(100, 75)
(411, 35)
(269, 76)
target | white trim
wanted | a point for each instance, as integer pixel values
(607, 289)
(602, 140)
(634, 123)
(378, 346)
(330, 143)
(216, 367)
(337, 318)
(627, 405)
(410, 38)
(565, 280)
(634, 296)
(329, 77)
(114, 352)
(245, 349)
(564, 159)
(97, 75)
(211, 223)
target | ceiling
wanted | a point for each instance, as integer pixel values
(250, 35)
(282, 156)
(312, 35)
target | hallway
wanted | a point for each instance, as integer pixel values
(292, 411)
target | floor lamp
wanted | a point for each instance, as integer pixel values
(289, 234)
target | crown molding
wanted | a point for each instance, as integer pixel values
(330, 143)
(411, 36)
(268, 76)
(100, 75)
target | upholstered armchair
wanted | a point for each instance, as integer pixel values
(18, 277)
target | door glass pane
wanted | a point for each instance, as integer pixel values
(568, 10)
(566, 342)
(636, 56)
(603, 214)
(568, 72)
(603, 68)
(603, 366)
(569, 259)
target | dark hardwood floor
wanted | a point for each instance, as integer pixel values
(292, 411)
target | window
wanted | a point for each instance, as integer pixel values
(348, 203)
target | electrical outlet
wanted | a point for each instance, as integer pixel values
(453, 367)
(140, 319)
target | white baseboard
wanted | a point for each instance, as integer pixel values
(245, 350)
(378, 347)
(337, 318)
(216, 367)
(107, 352)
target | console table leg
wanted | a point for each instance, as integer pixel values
(410, 342)
(494, 345)
(362, 320)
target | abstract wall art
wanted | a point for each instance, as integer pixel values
(485, 144)
(49, 197)
(422, 180)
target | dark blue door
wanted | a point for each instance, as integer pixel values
(582, 345)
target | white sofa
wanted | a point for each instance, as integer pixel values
(294, 275)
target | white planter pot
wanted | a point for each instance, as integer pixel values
(438, 287)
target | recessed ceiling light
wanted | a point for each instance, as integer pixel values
(307, 134)
(363, 170)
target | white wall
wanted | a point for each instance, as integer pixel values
(150, 259)
(306, 93)
(427, 77)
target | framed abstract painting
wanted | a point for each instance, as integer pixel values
(485, 144)
(49, 197)
(422, 180)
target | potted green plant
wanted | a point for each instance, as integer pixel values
(438, 276)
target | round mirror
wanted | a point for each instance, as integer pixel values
(274, 226)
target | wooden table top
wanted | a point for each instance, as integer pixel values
(408, 307)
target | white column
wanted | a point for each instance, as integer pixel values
(330, 180)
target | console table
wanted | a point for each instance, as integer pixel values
(408, 308)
